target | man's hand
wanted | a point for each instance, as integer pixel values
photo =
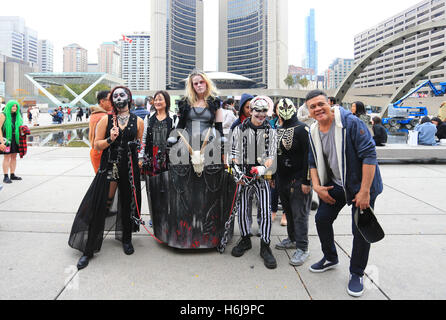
(362, 200)
(324, 195)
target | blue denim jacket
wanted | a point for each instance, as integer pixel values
(355, 146)
(426, 134)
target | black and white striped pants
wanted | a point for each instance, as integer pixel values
(261, 190)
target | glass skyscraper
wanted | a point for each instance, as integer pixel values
(253, 40)
(311, 56)
(177, 47)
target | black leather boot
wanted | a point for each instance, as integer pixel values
(242, 246)
(267, 255)
(83, 262)
(128, 248)
(14, 177)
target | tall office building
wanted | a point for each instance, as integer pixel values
(17, 40)
(254, 40)
(177, 41)
(109, 58)
(397, 63)
(135, 60)
(75, 58)
(311, 48)
(46, 56)
(336, 72)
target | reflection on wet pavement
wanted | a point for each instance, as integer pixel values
(66, 138)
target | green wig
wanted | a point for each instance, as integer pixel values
(8, 122)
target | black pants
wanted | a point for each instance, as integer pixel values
(297, 206)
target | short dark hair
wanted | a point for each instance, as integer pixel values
(425, 119)
(230, 101)
(332, 100)
(102, 95)
(377, 120)
(315, 93)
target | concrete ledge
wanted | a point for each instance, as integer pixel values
(404, 152)
(59, 127)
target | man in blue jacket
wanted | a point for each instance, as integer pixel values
(344, 170)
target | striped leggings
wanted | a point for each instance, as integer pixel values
(262, 191)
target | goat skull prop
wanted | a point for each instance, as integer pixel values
(197, 157)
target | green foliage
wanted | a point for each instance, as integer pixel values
(90, 98)
(289, 81)
(304, 82)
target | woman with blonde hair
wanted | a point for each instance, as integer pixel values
(442, 112)
(192, 211)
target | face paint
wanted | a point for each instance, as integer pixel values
(120, 98)
(259, 108)
(286, 109)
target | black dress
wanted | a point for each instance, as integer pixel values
(95, 214)
(14, 147)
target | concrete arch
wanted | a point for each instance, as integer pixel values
(380, 49)
(419, 74)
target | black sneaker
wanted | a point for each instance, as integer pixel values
(323, 266)
(267, 255)
(7, 180)
(242, 246)
(14, 177)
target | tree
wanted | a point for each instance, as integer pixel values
(304, 82)
(289, 81)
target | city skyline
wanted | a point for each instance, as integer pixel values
(90, 29)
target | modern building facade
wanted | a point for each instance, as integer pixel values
(109, 58)
(46, 56)
(135, 60)
(177, 41)
(336, 72)
(17, 40)
(396, 64)
(12, 74)
(254, 40)
(75, 58)
(311, 47)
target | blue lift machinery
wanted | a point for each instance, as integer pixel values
(410, 116)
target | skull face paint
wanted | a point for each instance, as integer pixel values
(259, 109)
(286, 109)
(121, 98)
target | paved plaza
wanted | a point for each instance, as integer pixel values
(36, 262)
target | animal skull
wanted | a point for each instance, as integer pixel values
(197, 157)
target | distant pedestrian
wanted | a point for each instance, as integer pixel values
(10, 122)
(140, 109)
(30, 115)
(426, 132)
(80, 114)
(358, 109)
(69, 114)
(441, 128)
(35, 112)
(379, 132)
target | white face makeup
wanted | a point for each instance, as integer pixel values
(259, 111)
(199, 84)
(120, 98)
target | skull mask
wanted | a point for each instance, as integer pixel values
(121, 98)
(286, 109)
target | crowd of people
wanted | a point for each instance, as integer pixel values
(273, 152)
(287, 155)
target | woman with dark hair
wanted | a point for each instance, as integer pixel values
(116, 135)
(358, 109)
(157, 129)
(244, 112)
(10, 122)
(441, 128)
